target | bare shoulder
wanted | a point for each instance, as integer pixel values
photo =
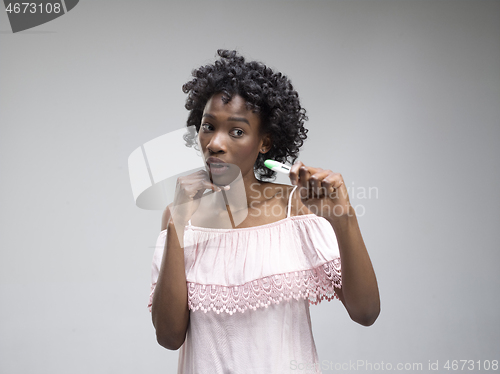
(283, 192)
(167, 214)
(297, 206)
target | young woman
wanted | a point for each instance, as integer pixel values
(236, 268)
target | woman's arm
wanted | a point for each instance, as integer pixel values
(170, 311)
(359, 291)
(324, 193)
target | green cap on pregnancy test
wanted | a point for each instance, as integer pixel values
(277, 166)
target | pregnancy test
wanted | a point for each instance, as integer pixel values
(277, 166)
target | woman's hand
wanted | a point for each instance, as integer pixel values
(188, 192)
(323, 192)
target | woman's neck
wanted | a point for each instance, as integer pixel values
(241, 194)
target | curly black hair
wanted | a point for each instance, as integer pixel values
(266, 92)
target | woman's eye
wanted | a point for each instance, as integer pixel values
(206, 126)
(238, 132)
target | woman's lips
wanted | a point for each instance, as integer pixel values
(218, 168)
(216, 165)
(214, 160)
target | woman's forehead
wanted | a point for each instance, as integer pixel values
(237, 105)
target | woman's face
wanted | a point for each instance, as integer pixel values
(230, 132)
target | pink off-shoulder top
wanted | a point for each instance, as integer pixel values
(249, 292)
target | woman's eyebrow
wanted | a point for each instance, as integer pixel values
(208, 115)
(234, 119)
(239, 119)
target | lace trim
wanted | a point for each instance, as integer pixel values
(314, 284)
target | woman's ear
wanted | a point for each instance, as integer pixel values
(265, 144)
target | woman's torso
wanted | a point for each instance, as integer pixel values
(262, 324)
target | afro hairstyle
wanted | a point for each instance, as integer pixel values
(268, 93)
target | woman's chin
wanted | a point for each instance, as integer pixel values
(225, 175)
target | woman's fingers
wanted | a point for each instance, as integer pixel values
(300, 175)
(314, 182)
(207, 185)
(194, 185)
(304, 185)
(294, 172)
(319, 184)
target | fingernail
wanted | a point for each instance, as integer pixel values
(226, 188)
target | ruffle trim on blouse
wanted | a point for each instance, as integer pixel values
(314, 284)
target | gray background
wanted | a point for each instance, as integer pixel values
(403, 96)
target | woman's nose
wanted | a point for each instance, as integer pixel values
(217, 143)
